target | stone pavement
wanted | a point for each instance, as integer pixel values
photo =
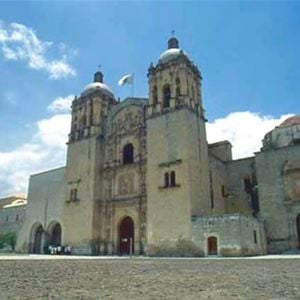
(13, 256)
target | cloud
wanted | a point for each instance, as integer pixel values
(20, 43)
(46, 149)
(61, 104)
(245, 131)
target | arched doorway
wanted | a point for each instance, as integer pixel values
(126, 236)
(37, 240)
(212, 245)
(298, 229)
(55, 235)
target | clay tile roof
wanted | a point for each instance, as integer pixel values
(295, 120)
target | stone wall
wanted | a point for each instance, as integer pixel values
(171, 147)
(237, 234)
(219, 185)
(238, 199)
(44, 206)
(277, 206)
(221, 150)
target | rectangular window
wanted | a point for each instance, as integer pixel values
(73, 195)
(247, 185)
(212, 204)
(254, 236)
(167, 181)
(223, 191)
(173, 178)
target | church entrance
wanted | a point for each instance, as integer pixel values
(126, 236)
(37, 243)
(55, 236)
(298, 229)
(212, 245)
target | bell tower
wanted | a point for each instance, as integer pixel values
(175, 82)
(177, 151)
(84, 161)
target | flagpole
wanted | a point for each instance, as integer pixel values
(132, 86)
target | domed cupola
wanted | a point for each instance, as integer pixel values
(294, 120)
(173, 43)
(90, 110)
(98, 85)
(174, 82)
(286, 134)
(173, 52)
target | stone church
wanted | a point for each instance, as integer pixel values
(141, 178)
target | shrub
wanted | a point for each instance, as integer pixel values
(8, 239)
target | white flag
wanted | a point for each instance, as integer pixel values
(127, 79)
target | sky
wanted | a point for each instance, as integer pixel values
(247, 52)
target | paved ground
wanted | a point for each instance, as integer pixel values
(57, 277)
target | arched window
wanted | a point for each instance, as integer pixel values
(166, 96)
(154, 95)
(173, 178)
(178, 87)
(193, 93)
(128, 152)
(166, 179)
(82, 122)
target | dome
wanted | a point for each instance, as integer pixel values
(170, 54)
(97, 86)
(286, 134)
(295, 120)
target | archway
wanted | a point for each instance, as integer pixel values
(37, 246)
(212, 245)
(298, 229)
(126, 236)
(55, 235)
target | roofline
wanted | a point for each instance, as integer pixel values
(240, 159)
(48, 171)
(219, 143)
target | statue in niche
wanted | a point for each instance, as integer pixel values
(109, 154)
(119, 125)
(128, 120)
(143, 146)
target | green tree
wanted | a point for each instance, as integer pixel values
(8, 239)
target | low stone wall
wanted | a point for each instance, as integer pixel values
(179, 248)
(236, 234)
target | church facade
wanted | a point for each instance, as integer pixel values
(141, 178)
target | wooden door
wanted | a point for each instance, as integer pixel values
(126, 236)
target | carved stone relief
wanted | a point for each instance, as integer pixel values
(291, 176)
(126, 184)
